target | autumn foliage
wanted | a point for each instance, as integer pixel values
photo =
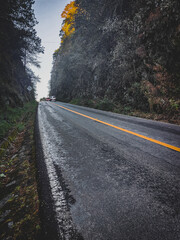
(69, 15)
(121, 52)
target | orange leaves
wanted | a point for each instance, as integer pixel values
(69, 15)
(149, 88)
(69, 11)
(163, 79)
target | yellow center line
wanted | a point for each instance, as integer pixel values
(122, 129)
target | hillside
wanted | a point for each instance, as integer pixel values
(19, 46)
(122, 53)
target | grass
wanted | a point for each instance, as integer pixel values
(105, 105)
(17, 164)
(11, 117)
(102, 104)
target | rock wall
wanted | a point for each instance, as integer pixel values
(124, 51)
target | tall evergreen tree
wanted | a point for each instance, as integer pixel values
(19, 45)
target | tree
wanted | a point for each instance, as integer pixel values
(69, 15)
(19, 43)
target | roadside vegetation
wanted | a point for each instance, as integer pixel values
(108, 105)
(19, 204)
(13, 118)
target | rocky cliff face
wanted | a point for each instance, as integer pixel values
(124, 51)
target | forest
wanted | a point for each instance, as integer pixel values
(19, 46)
(121, 56)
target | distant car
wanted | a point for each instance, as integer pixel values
(53, 98)
(48, 99)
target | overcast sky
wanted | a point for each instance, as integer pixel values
(48, 14)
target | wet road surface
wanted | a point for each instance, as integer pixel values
(107, 184)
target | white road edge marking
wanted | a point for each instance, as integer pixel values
(63, 217)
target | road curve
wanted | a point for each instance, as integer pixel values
(110, 176)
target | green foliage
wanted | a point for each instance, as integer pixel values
(127, 109)
(123, 109)
(19, 46)
(174, 105)
(105, 104)
(88, 103)
(19, 19)
(22, 197)
(11, 116)
(4, 127)
(76, 101)
(20, 127)
(83, 102)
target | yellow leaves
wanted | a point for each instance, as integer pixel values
(69, 11)
(68, 29)
(69, 15)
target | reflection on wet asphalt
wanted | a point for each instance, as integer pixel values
(106, 184)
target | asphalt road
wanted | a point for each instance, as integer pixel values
(106, 183)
